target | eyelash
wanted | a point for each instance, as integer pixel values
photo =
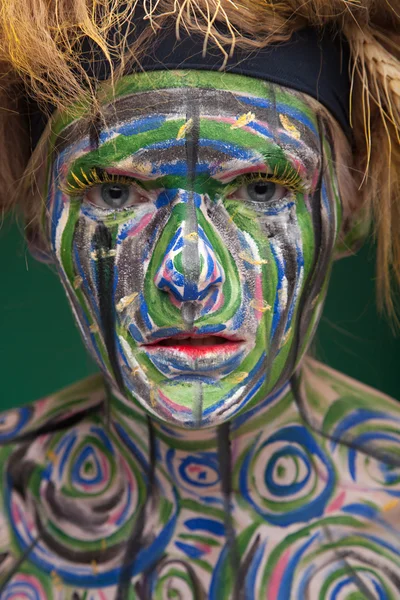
(77, 185)
(288, 178)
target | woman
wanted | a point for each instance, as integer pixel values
(193, 196)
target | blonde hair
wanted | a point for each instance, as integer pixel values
(41, 45)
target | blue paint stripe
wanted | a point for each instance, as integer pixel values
(280, 266)
(285, 109)
(209, 525)
(133, 127)
(190, 551)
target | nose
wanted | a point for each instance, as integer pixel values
(172, 275)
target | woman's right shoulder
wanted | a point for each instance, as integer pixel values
(29, 421)
(24, 435)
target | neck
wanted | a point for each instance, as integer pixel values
(199, 459)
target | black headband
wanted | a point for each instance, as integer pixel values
(313, 62)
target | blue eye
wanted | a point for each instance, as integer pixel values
(261, 191)
(115, 195)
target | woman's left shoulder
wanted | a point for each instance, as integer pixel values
(329, 397)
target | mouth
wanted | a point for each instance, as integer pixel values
(196, 346)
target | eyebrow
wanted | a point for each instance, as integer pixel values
(282, 169)
(158, 135)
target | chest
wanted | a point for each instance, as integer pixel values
(186, 549)
(80, 521)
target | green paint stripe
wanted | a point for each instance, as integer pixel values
(159, 80)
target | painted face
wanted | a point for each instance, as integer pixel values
(194, 232)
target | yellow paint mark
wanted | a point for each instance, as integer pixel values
(252, 261)
(77, 282)
(52, 456)
(262, 306)
(56, 579)
(142, 167)
(94, 328)
(96, 254)
(239, 377)
(243, 120)
(192, 237)
(390, 505)
(186, 128)
(126, 301)
(135, 371)
(290, 128)
(103, 544)
(95, 567)
(233, 215)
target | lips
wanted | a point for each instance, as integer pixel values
(195, 346)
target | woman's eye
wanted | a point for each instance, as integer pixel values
(261, 191)
(115, 195)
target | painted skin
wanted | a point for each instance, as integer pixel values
(213, 237)
(293, 498)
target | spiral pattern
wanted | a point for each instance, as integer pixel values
(294, 481)
(333, 563)
(197, 474)
(25, 586)
(377, 435)
(83, 490)
(171, 578)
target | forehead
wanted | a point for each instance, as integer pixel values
(149, 100)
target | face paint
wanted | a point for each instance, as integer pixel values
(194, 235)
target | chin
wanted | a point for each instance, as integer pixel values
(195, 401)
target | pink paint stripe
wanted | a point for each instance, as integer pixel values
(259, 168)
(133, 174)
(144, 221)
(204, 547)
(336, 503)
(33, 582)
(219, 301)
(277, 576)
(172, 405)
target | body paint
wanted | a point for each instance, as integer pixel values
(194, 260)
(289, 499)
(89, 514)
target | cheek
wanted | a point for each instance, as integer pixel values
(291, 247)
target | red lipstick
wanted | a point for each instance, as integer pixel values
(196, 346)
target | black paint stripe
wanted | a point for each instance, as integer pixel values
(17, 565)
(102, 242)
(135, 541)
(225, 468)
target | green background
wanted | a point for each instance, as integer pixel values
(41, 350)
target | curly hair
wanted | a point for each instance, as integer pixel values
(41, 44)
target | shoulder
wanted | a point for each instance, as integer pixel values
(30, 420)
(28, 436)
(352, 419)
(325, 392)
